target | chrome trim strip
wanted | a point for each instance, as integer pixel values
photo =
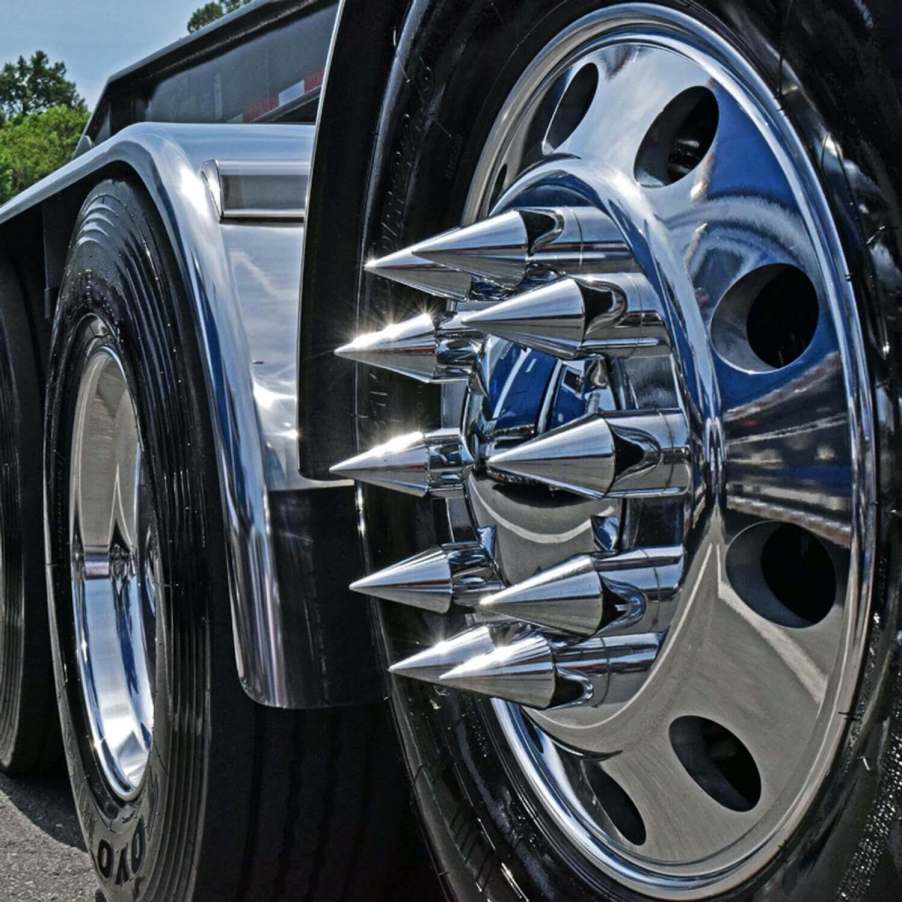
(243, 190)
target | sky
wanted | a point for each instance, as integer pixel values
(94, 38)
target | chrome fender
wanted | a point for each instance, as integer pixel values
(232, 199)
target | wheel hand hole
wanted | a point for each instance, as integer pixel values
(573, 106)
(767, 319)
(716, 759)
(678, 139)
(617, 805)
(784, 573)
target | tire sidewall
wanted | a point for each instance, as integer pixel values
(28, 737)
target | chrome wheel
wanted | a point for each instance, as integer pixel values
(115, 571)
(656, 453)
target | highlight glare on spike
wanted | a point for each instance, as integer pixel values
(419, 464)
(422, 348)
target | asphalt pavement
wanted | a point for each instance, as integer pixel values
(42, 856)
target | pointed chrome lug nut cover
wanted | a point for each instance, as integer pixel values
(523, 672)
(430, 664)
(617, 314)
(550, 318)
(460, 572)
(495, 250)
(419, 464)
(423, 348)
(578, 457)
(621, 454)
(422, 581)
(531, 671)
(593, 592)
(401, 464)
(566, 599)
(407, 268)
(407, 347)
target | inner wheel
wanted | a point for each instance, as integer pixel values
(115, 567)
(653, 453)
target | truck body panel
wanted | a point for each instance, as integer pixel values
(241, 268)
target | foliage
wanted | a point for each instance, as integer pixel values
(34, 145)
(212, 11)
(35, 85)
(41, 120)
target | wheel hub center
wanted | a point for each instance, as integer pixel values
(594, 439)
(115, 572)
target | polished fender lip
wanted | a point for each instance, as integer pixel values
(143, 148)
(169, 160)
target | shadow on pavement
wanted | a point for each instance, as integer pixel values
(47, 802)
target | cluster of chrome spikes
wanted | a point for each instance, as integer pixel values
(575, 598)
(535, 670)
(602, 305)
(561, 281)
(626, 454)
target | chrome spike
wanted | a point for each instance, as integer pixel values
(568, 598)
(549, 318)
(422, 581)
(435, 463)
(523, 672)
(430, 664)
(407, 268)
(496, 249)
(459, 572)
(536, 672)
(589, 592)
(616, 315)
(628, 453)
(540, 674)
(579, 457)
(426, 348)
(501, 250)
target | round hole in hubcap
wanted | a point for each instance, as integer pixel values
(678, 139)
(115, 571)
(767, 319)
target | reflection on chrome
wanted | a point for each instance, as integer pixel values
(115, 566)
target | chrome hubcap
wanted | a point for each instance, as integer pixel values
(115, 571)
(655, 454)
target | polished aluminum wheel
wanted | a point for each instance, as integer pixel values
(656, 453)
(115, 571)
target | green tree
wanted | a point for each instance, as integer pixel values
(41, 119)
(212, 11)
(34, 145)
(34, 85)
(6, 185)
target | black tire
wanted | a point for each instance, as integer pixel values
(238, 801)
(486, 828)
(29, 730)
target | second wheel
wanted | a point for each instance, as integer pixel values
(185, 788)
